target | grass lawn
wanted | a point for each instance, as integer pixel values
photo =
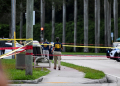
(89, 73)
(15, 74)
(82, 53)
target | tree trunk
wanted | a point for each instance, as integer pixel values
(109, 23)
(42, 19)
(64, 22)
(53, 21)
(115, 9)
(85, 25)
(105, 18)
(75, 24)
(97, 24)
(21, 19)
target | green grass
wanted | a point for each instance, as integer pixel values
(82, 53)
(15, 74)
(89, 73)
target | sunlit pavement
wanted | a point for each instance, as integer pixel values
(112, 84)
(85, 57)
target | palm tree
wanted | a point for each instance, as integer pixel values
(64, 22)
(105, 19)
(85, 24)
(107, 13)
(53, 21)
(97, 24)
(109, 22)
(115, 12)
(75, 23)
(21, 18)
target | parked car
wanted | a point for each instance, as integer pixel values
(37, 48)
(7, 44)
(114, 53)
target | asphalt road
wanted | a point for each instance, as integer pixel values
(102, 63)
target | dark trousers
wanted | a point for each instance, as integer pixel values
(2, 52)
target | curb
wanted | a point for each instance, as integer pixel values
(27, 81)
(103, 80)
(113, 79)
(107, 79)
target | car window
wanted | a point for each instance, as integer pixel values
(7, 45)
(18, 45)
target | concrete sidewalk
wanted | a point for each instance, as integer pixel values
(64, 84)
(67, 77)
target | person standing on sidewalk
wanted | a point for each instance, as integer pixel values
(50, 52)
(46, 49)
(57, 53)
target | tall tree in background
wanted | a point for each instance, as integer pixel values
(115, 11)
(64, 22)
(109, 21)
(97, 24)
(21, 18)
(85, 24)
(42, 19)
(105, 19)
(53, 21)
(75, 23)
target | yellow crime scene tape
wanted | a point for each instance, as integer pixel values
(17, 39)
(5, 55)
(87, 46)
(80, 46)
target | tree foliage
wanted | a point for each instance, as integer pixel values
(5, 17)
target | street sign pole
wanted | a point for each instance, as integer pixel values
(29, 34)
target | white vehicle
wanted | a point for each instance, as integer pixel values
(114, 53)
(37, 49)
(7, 44)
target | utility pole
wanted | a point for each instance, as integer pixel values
(29, 34)
(42, 19)
(13, 16)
